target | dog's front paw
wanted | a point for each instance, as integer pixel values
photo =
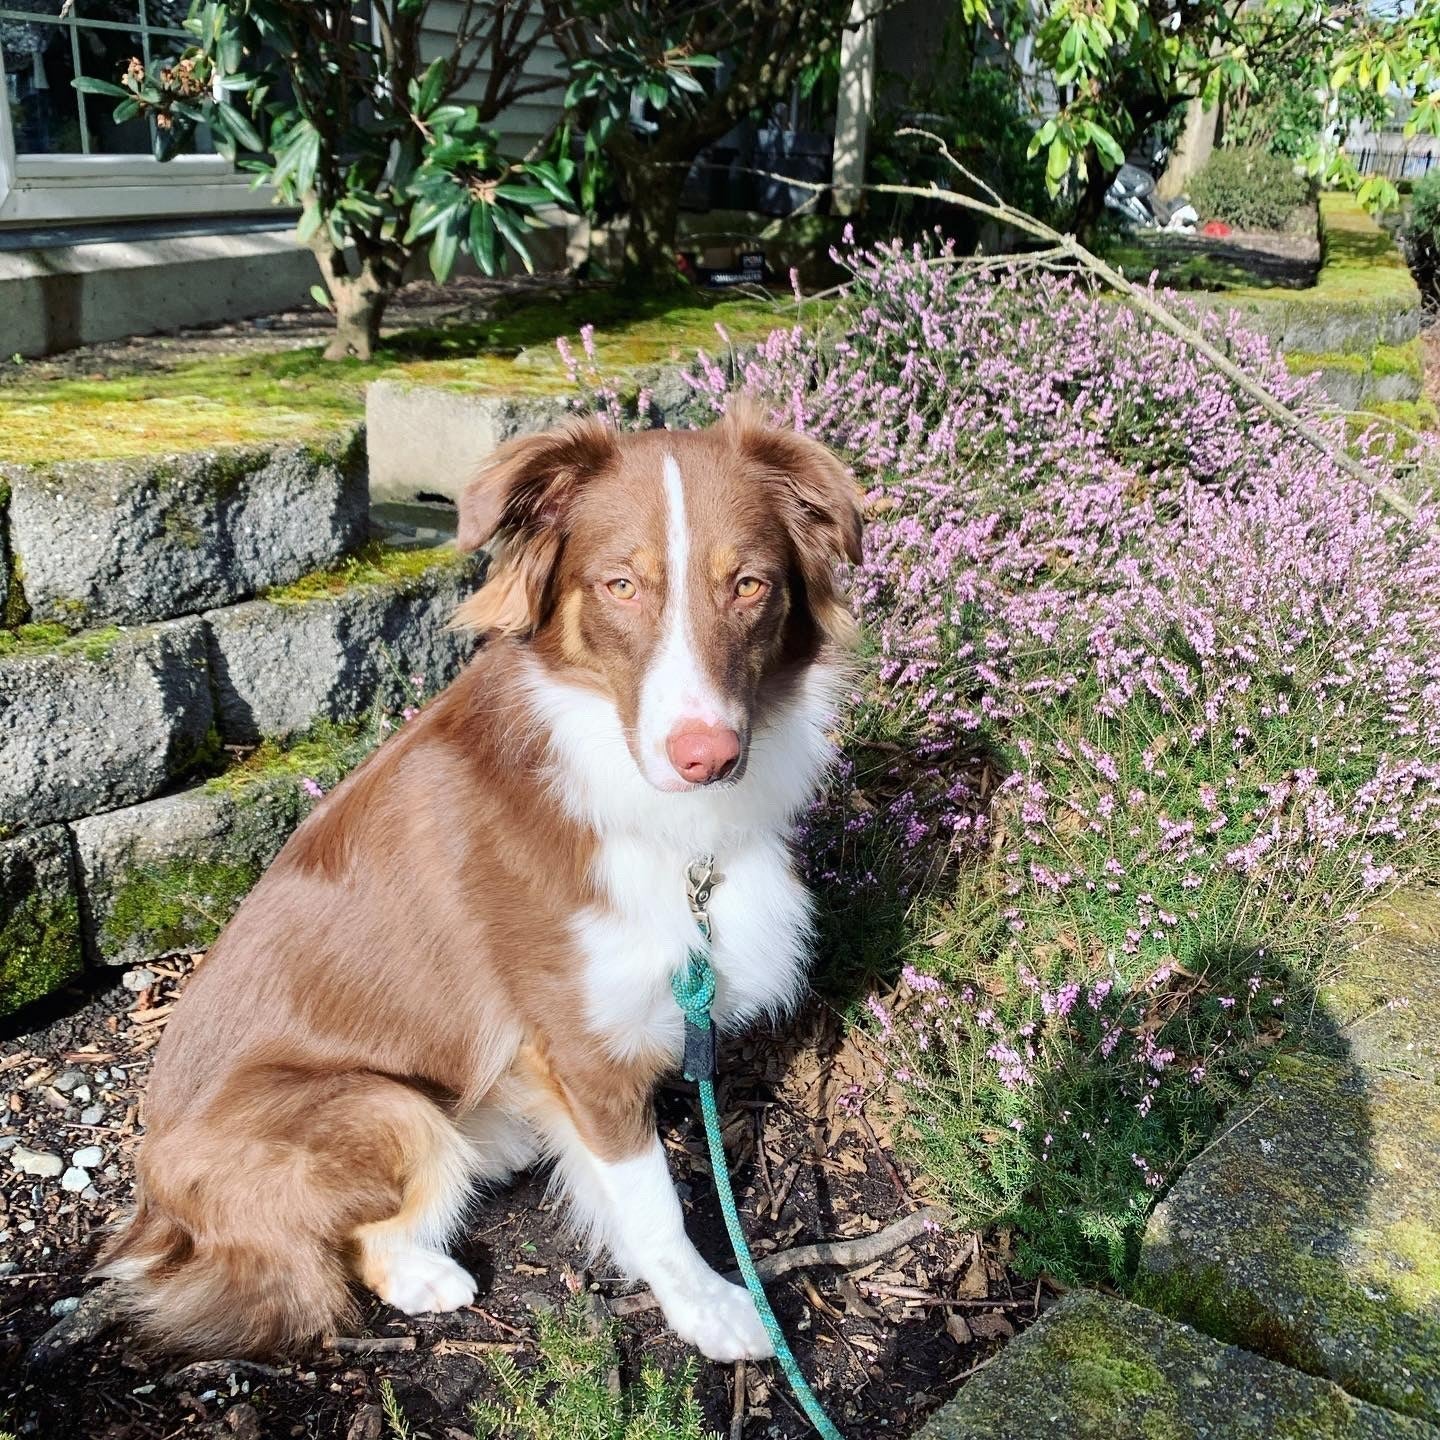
(422, 1282)
(721, 1322)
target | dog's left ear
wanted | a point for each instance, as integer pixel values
(520, 503)
(822, 504)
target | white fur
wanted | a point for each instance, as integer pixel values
(635, 943)
(676, 688)
(630, 1208)
(420, 1281)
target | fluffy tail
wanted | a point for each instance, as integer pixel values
(244, 1237)
(225, 1297)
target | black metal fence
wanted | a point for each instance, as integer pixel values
(1393, 164)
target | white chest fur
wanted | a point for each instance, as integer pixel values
(633, 944)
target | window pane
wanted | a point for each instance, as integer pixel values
(105, 54)
(166, 13)
(125, 12)
(38, 72)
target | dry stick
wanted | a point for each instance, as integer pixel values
(737, 1408)
(1006, 214)
(368, 1344)
(845, 1253)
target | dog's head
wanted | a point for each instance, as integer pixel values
(674, 571)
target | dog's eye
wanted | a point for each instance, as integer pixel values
(621, 589)
(748, 587)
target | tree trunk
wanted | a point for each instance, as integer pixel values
(359, 309)
(1091, 205)
(654, 213)
(359, 300)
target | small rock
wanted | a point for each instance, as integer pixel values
(89, 1193)
(139, 979)
(68, 1306)
(368, 1424)
(74, 1180)
(537, 1303)
(8, 1267)
(241, 1419)
(93, 1116)
(36, 1162)
(25, 1226)
(110, 1172)
(88, 1158)
(8, 1142)
(68, 1080)
(81, 1095)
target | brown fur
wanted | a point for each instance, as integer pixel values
(400, 975)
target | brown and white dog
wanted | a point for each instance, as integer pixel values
(461, 962)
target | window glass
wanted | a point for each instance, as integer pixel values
(39, 66)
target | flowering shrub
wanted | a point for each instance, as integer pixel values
(1154, 710)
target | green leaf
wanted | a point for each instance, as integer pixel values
(89, 85)
(506, 226)
(1107, 145)
(309, 222)
(431, 87)
(321, 297)
(239, 126)
(523, 194)
(444, 247)
(482, 237)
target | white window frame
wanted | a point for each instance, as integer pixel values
(75, 189)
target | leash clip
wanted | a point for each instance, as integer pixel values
(699, 882)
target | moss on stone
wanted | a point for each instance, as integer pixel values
(39, 944)
(376, 564)
(51, 638)
(325, 754)
(17, 608)
(1399, 360)
(179, 905)
(1305, 362)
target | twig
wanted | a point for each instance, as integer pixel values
(889, 1165)
(843, 1253)
(737, 1405)
(98, 1312)
(924, 1297)
(368, 1344)
(446, 1346)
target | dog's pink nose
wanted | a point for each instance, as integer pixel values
(702, 753)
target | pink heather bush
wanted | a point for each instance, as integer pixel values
(1154, 712)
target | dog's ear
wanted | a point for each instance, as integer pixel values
(519, 504)
(821, 504)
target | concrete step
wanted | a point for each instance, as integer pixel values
(1098, 1368)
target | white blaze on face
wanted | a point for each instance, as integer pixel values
(676, 690)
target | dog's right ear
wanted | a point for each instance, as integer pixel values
(519, 503)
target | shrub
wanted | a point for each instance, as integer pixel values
(1422, 233)
(1153, 711)
(1249, 188)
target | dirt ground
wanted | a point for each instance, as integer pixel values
(883, 1343)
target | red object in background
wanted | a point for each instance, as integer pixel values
(1215, 229)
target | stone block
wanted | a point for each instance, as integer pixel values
(129, 541)
(168, 874)
(336, 652)
(425, 441)
(1310, 1231)
(1096, 1368)
(39, 916)
(102, 719)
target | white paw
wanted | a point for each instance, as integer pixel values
(420, 1282)
(721, 1322)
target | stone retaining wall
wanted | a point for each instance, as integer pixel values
(155, 614)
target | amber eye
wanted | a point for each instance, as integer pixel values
(748, 587)
(621, 589)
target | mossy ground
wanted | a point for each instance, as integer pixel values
(325, 754)
(179, 905)
(268, 397)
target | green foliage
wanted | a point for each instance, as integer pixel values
(1251, 189)
(39, 939)
(48, 638)
(1422, 233)
(566, 1395)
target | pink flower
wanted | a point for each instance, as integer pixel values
(311, 788)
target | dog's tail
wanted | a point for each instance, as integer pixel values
(245, 1234)
(213, 1295)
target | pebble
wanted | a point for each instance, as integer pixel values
(141, 979)
(110, 1172)
(81, 1095)
(89, 1193)
(8, 1267)
(88, 1158)
(68, 1080)
(8, 1142)
(36, 1162)
(74, 1180)
(68, 1306)
(93, 1116)
(25, 1226)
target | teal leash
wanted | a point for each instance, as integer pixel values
(694, 990)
